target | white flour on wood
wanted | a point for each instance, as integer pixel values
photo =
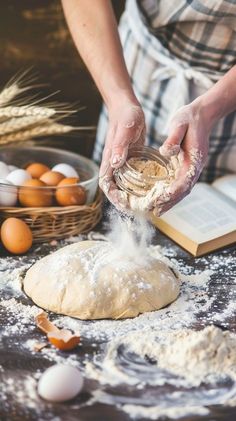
(199, 303)
(195, 356)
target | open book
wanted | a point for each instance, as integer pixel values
(205, 220)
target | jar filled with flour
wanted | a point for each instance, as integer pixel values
(145, 173)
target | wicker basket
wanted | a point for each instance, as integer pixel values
(53, 223)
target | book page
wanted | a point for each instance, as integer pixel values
(203, 215)
(226, 185)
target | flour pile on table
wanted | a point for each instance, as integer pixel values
(195, 356)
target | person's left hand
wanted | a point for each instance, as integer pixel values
(188, 140)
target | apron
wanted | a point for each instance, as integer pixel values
(166, 76)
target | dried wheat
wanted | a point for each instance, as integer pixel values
(19, 123)
(26, 111)
(43, 130)
(9, 93)
(24, 118)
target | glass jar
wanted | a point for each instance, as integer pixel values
(144, 167)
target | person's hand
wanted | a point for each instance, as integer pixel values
(188, 141)
(187, 147)
(126, 129)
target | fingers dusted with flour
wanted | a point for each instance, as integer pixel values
(190, 130)
(188, 140)
(126, 129)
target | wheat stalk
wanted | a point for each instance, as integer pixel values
(17, 124)
(43, 130)
(11, 111)
(9, 93)
(24, 118)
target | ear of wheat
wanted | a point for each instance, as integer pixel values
(22, 117)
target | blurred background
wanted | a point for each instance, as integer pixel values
(34, 34)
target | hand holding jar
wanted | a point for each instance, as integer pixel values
(145, 177)
(126, 129)
(184, 154)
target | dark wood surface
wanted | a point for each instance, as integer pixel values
(18, 362)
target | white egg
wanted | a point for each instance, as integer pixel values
(4, 170)
(65, 169)
(12, 168)
(60, 383)
(18, 177)
(8, 195)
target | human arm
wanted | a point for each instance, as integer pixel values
(189, 135)
(187, 144)
(94, 29)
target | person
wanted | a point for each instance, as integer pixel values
(174, 79)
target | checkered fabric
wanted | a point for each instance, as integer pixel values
(174, 52)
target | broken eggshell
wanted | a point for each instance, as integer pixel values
(62, 339)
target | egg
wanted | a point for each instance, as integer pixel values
(60, 383)
(32, 195)
(16, 236)
(52, 178)
(4, 170)
(12, 168)
(68, 195)
(8, 195)
(18, 177)
(36, 170)
(66, 169)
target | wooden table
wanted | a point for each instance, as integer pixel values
(17, 362)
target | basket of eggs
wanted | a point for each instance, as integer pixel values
(54, 191)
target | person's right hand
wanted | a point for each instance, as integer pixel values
(187, 148)
(126, 129)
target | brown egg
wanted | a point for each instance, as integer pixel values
(68, 196)
(52, 178)
(32, 195)
(37, 169)
(16, 236)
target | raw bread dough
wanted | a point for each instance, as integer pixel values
(90, 280)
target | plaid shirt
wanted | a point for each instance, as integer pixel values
(174, 52)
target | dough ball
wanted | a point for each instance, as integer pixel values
(91, 280)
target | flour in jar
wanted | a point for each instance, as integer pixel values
(147, 184)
